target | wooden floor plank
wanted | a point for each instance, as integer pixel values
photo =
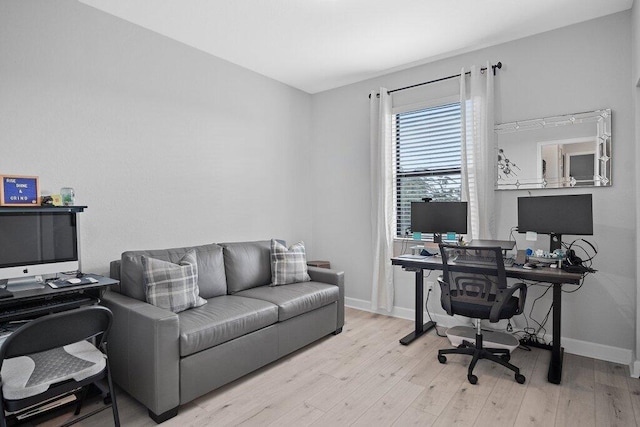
(390, 406)
(354, 378)
(428, 368)
(357, 403)
(540, 402)
(364, 376)
(503, 404)
(634, 390)
(282, 401)
(414, 417)
(437, 394)
(613, 374)
(302, 415)
(467, 403)
(576, 402)
(613, 406)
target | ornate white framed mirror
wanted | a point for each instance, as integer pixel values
(572, 150)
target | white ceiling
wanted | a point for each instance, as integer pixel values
(316, 45)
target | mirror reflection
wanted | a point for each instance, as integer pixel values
(572, 150)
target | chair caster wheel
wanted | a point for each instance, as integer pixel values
(520, 378)
(107, 400)
(472, 379)
(506, 357)
(442, 359)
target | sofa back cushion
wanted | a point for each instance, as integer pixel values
(211, 274)
(247, 265)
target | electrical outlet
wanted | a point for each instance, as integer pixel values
(430, 286)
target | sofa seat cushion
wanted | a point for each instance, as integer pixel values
(222, 319)
(296, 298)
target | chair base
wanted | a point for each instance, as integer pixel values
(477, 351)
(490, 338)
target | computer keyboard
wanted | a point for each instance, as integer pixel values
(65, 283)
(410, 256)
(475, 259)
(37, 308)
(482, 260)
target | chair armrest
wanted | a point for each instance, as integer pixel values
(503, 296)
(522, 296)
(144, 351)
(445, 298)
(332, 277)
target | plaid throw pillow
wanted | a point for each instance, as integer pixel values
(288, 265)
(172, 286)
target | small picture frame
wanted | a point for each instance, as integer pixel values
(56, 199)
(19, 190)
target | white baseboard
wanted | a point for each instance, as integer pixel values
(598, 351)
(581, 348)
(402, 313)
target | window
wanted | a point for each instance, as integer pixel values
(427, 158)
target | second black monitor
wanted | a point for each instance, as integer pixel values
(556, 215)
(439, 217)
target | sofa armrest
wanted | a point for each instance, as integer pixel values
(114, 273)
(144, 351)
(114, 269)
(333, 277)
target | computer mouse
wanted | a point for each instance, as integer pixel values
(530, 266)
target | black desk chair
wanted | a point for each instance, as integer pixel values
(474, 284)
(51, 356)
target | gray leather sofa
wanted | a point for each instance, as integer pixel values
(164, 359)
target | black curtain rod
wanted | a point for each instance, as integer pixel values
(494, 67)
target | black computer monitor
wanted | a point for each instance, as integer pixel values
(36, 243)
(556, 215)
(438, 218)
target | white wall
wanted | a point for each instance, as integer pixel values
(635, 82)
(579, 68)
(167, 145)
(635, 24)
(170, 146)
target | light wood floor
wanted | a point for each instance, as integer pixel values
(364, 377)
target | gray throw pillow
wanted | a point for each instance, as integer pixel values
(288, 265)
(172, 286)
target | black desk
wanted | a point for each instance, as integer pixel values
(555, 277)
(32, 303)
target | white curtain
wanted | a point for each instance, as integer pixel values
(382, 217)
(478, 169)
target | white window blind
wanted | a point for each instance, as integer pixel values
(427, 158)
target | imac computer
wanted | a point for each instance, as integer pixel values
(34, 244)
(438, 218)
(555, 216)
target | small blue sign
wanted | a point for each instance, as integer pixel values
(19, 191)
